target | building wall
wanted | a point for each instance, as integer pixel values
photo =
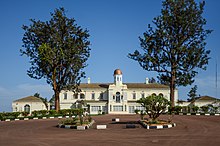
(34, 106)
(106, 103)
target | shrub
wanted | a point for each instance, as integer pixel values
(136, 111)
(154, 105)
(25, 114)
(195, 108)
(69, 121)
(177, 109)
(1, 116)
(52, 112)
(205, 109)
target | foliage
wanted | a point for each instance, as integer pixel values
(40, 113)
(195, 108)
(69, 121)
(25, 114)
(213, 109)
(152, 80)
(58, 50)
(154, 105)
(9, 115)
(205, 109)
(136, 111)
(175, 47)
(142, 114)
(192, 93)
(52, 112)
(177, 109)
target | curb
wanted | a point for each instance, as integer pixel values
(76, 127)
(157, 127)
(35, 118)
(198, 114)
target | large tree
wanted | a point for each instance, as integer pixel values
(175, 46)
(58, 50)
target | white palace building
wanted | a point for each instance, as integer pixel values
(113, 98)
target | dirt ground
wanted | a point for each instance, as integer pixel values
(190, 131)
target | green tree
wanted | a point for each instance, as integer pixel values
(58, 50)
(175, 47)
(154, 105)
(192, 93)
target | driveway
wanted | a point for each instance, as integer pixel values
(190, 131)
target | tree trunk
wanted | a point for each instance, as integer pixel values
(172, 90)
(57, 101)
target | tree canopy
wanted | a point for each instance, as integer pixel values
(58, 50)
(154, 105)
(192, 93)
(175, 46)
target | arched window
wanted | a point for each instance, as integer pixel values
(154, 94)
(27, 108)
(117, 96)
(82, 96)
(161, 94)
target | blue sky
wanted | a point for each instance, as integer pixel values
(114, 26)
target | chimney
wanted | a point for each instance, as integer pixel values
(146, 81)
(88, 80)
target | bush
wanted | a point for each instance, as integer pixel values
(52, 112)
(69, 121)
(195, 108)
(205, 109)
(177, 109)
(25, 114)
(136, 111)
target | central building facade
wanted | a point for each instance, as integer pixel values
(113, 98)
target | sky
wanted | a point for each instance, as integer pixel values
(114, 27)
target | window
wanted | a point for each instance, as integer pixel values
(142, 95)
(82, 96)
(117, 96)
(95, 108)
(154, 94)
(75, 96)
(93, 96)
(27, 108)
(65, 96)
(161, 94)
(117, 108)
(141, 108)
(101, 96)
(113, 97)
(131, 109)
(134, 95)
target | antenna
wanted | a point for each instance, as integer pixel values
(216, 79)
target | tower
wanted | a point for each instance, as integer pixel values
(118, 77)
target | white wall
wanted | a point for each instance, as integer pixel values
(34, 106)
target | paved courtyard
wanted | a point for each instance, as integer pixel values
(190, 131)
